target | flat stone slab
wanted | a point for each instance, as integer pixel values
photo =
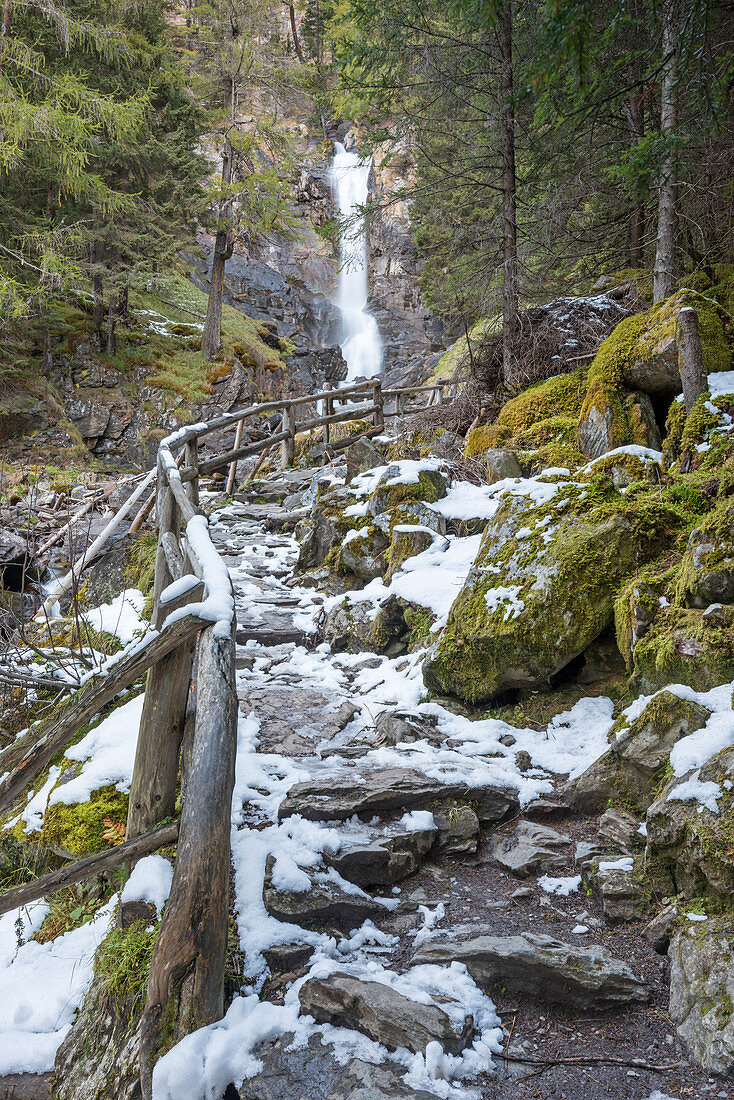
(542, 967)
(386, 854)
(325, 905)
(382, 1014)
(294, 720)
(338, 796)
(531, 849)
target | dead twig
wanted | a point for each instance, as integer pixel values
(591, 1060)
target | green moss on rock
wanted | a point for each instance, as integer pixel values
(79, 827)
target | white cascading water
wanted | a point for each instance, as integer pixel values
(360, 341)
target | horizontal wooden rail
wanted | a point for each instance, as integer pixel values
(89, 867)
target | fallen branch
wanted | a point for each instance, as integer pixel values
(591, 1060)
(89, 867)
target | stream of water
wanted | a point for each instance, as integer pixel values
(360, 338)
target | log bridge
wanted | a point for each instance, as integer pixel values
(188, 727)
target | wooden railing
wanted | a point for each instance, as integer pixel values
(188, 725)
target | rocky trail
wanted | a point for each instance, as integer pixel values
(390, 891)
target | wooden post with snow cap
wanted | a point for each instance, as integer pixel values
(692, 369)
(328, 411)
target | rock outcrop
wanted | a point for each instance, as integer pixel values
(542, 967)
(701, 992)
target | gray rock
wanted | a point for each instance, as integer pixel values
(335, 797)
(402, 727)
(325, 905)
(542, 967)
(658, 372)
(622, 896)
(382, 1014)
(530, 849)
(283, 958)
(621, 829)
(708, 566)
(458, 829)
(362, 455)
(659, 930)
(586, 853)
(629, 769)
(701, 992)
(390, 855)
(312, 1073)
(501, 464)
(430, 487)
(98, 1059)
(689, 846)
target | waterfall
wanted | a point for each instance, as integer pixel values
(360, 340)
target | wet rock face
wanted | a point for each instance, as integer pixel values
(98, 1059)
(542, 967)
(382, 1014)
(701, 991)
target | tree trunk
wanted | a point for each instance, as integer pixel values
(111, 346)
(294, 32)
(692, 369)
(664, 269)
(211, 338)
(509, 197)
(636, 249)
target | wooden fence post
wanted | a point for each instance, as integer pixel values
(192, 461)
(692, 370)
(155, 773)
(328, 410)
(288, 446)
(233, 468)
(379, 415)
(186, 984)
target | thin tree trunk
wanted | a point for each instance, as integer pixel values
(111, 346)
(664, 269)
(509, 196)
(294, 32)
(211, 338)
(7, 19)
(636, 253)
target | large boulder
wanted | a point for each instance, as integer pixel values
(630, 770)
(383, 1014)
(542, 967)
(688, 842)
(541, 588)
(701, 991)
(407, 481)
(398, 624)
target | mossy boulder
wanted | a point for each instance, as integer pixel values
(397, 487)
(629, 772)
(641, 354)
(686, 646)
(407, 540)
(701, 991)
(328, 525)
(394, 628)
(79, 828)
(538, 410)
(690, 848)
(363, 553)
(706, 573)
(542, 587)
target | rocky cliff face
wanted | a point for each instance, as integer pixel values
(412, 336)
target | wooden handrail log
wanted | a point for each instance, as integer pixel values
(186, 508)
(169, 542)
(215, 463)
(357, 413)
(88, 867)
(415, 389)
(29, 755)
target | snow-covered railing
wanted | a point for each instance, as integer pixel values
(189, 719)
